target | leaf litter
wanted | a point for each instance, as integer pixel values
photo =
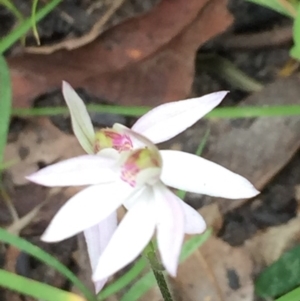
(147, 60)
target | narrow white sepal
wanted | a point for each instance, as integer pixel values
(86, 209)
(130, 238)
(168, 120)
(195, 174)
(81, 121)
(97, 238)
(82, 170)
(170, 226)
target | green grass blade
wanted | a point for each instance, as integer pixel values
(5, 104)
(293, 295)
(295, 50)
(181, 193)
(34, 21)
(21, 30)
(225, 112)
(43, 256)
(148, 280)
(277, 5)
(251, 112)
(35, 289)
(194, 243)
(124, 280)
(12, 8)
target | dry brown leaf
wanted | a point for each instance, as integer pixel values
(216, 271)
(145, 60)
(39, 142)
(266, 247)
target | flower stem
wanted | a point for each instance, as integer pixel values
(157, 270)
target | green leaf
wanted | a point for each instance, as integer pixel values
(294, 295)
(295, 50)
(43, 256)
(21, 30)
(35, 289)
(5, 104)
(147, 281)
(278, 6)
(225, 112)
(280, 277)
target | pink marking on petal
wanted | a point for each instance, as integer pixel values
(110, 138)
(139, 160)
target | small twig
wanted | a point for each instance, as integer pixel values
(11, 208)
(24, 221)
(74, 43)
(271, 38)
(228, 72)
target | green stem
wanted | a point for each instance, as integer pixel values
(157, 270)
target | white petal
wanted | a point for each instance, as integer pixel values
(170, 227)
(130, 238)
(192, 173)
(81, 121)
(83, 170)
(97, 238)
(194, 222)
(170, 119)
(86, 209)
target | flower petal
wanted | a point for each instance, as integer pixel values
(82, 170)
(170, 119)
(86, 209)
(97, 238)
(194, 222)
(170, 226)
(192, 173)
(81, 121)
(130, 238)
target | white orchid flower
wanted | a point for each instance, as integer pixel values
(125, 168)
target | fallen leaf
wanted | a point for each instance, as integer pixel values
(40, 142)
(216, 271)
(266, 247)
(145, 60)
